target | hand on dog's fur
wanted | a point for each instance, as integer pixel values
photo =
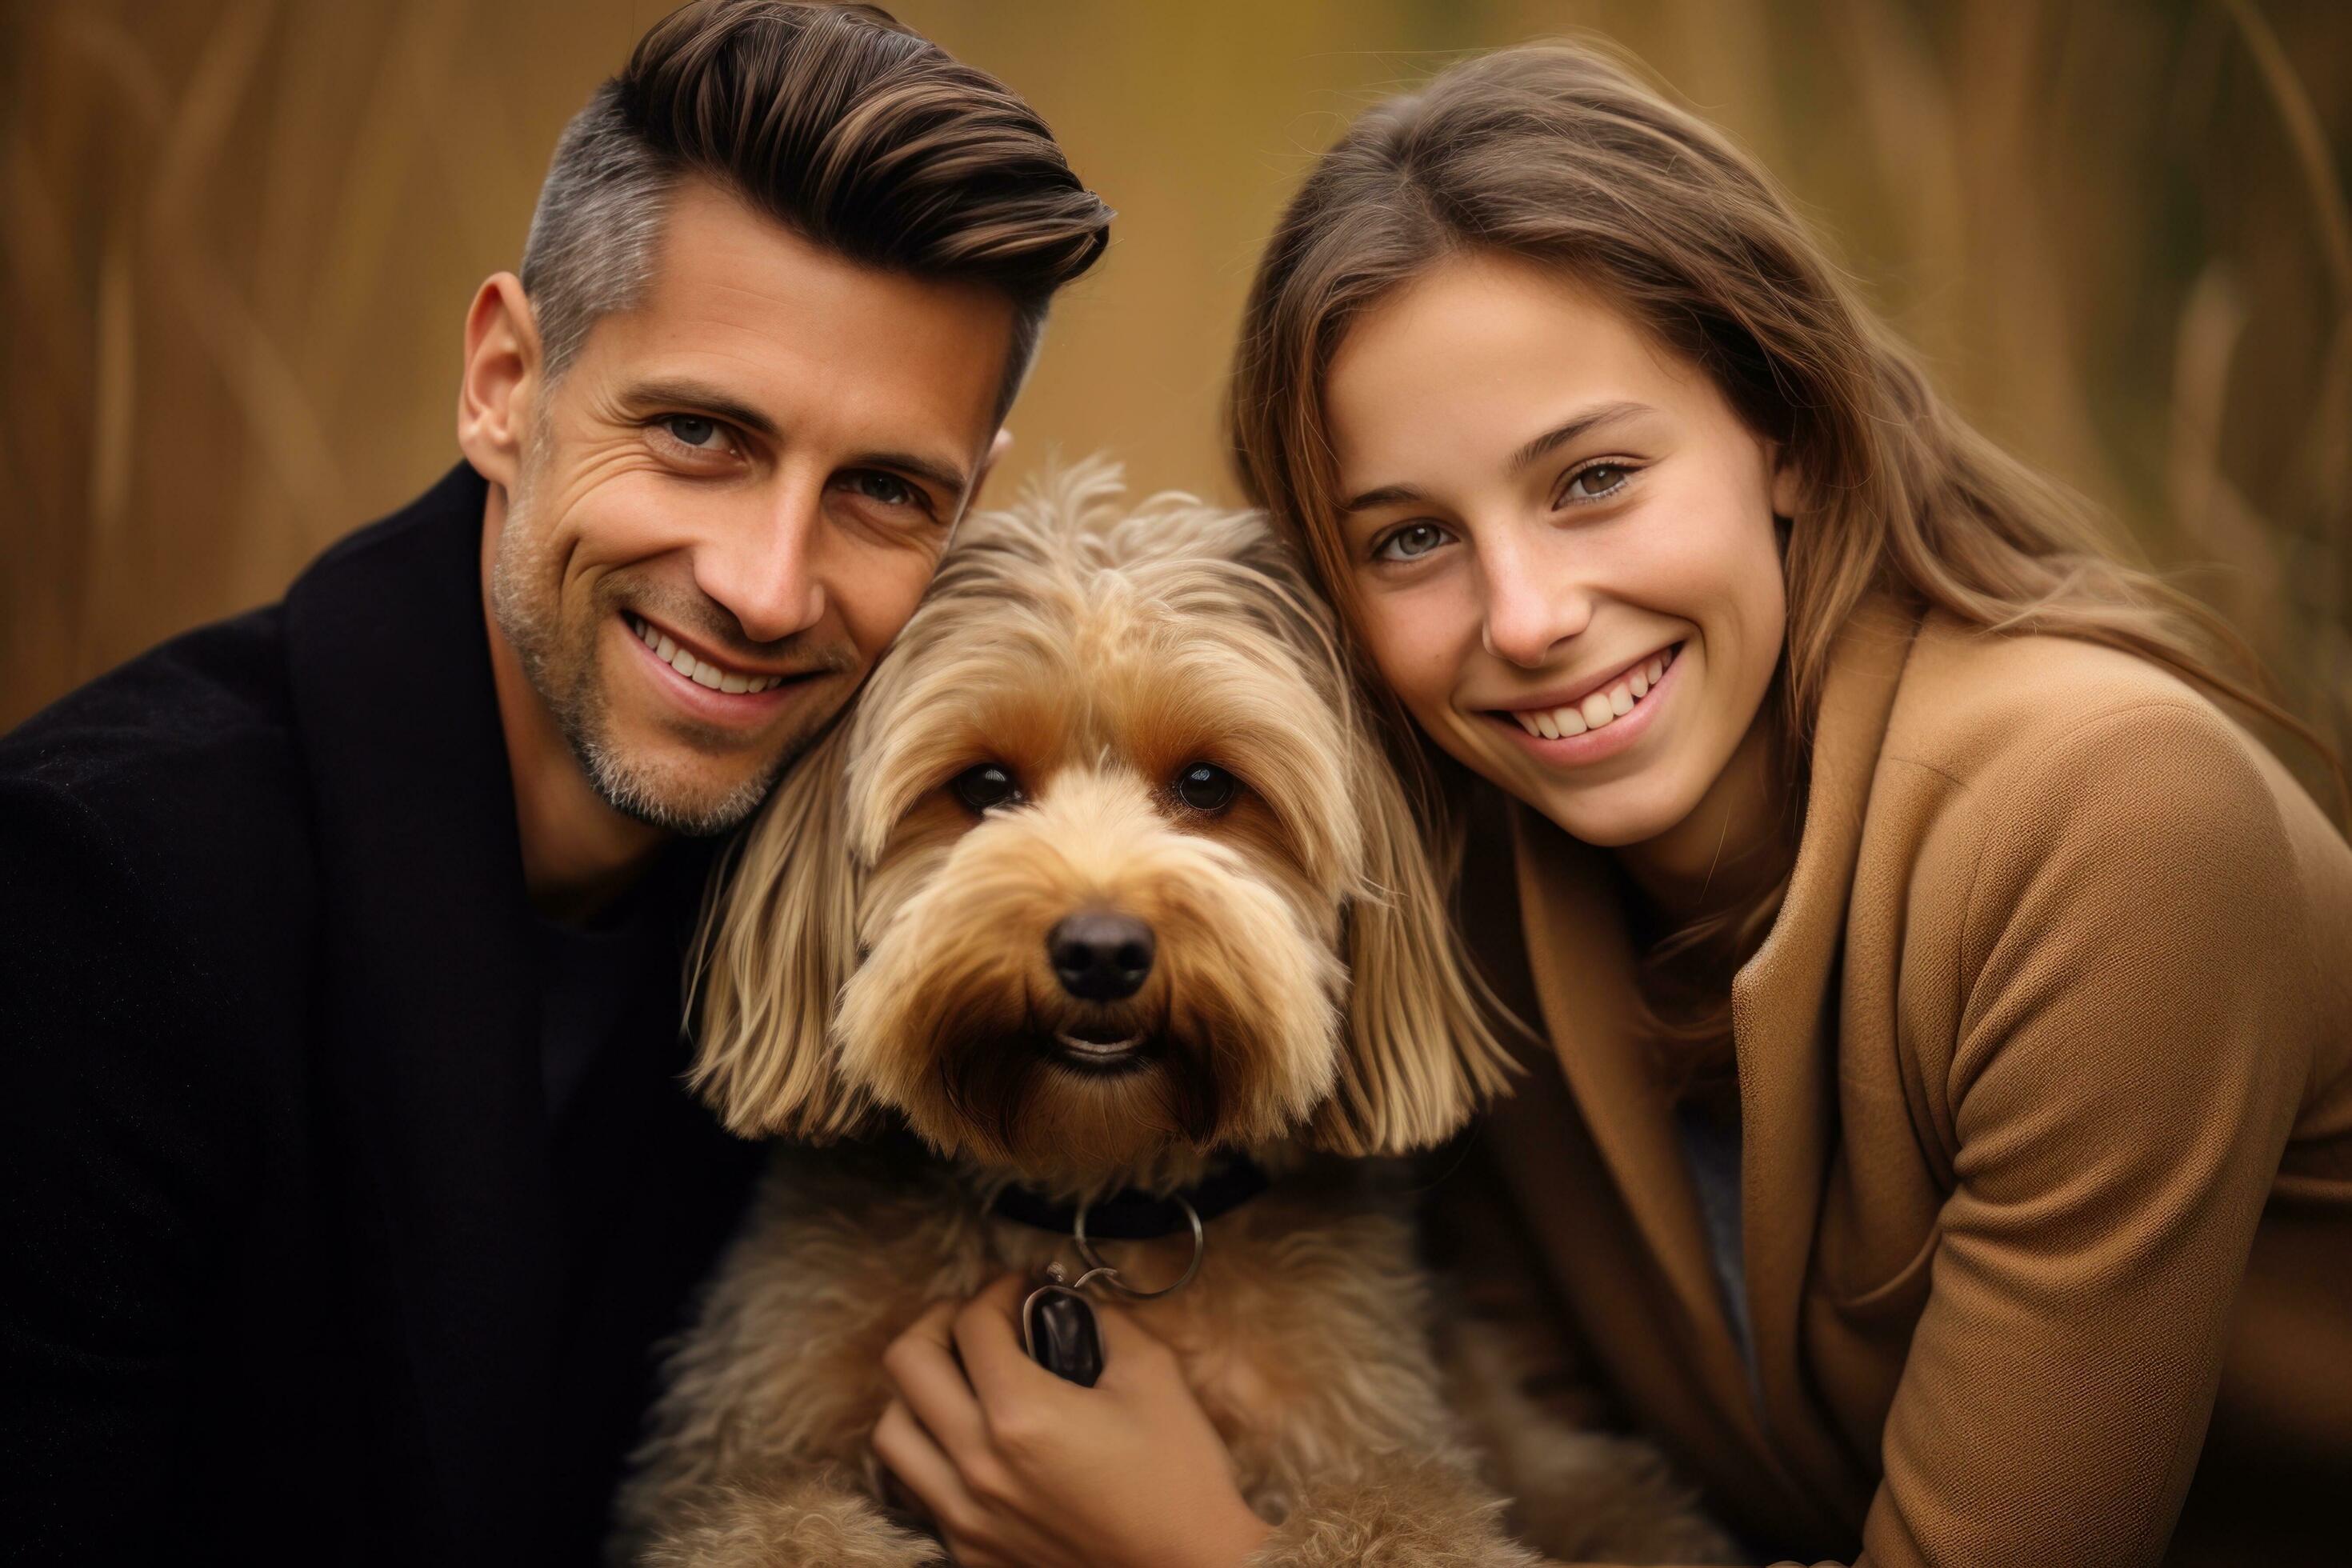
(1021, 1470)
(889, 955)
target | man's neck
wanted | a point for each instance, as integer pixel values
(578, 853)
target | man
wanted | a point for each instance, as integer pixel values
(346, 1173)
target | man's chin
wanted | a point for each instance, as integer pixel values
(685, 795)
(663, 764)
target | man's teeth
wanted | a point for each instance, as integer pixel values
(697, 670)
(1599, 707)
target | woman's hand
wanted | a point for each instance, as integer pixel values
(1021, 1469)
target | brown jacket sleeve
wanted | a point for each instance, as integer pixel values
(2123, 1081)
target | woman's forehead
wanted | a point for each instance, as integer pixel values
(1479, 357)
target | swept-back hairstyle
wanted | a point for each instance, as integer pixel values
(837, 121)
(1558, 154)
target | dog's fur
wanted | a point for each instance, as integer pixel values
(880, 952)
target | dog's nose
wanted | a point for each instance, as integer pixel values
(1100, 955)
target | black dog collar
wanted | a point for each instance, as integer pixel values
(1131, 1214)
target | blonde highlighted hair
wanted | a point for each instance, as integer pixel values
(1560, 154)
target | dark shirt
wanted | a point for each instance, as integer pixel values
(296, 1265)
(594, 978)
(1711, 1144)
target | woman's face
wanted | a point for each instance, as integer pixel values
(1563, 538)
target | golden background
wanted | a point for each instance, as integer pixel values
(237, 239)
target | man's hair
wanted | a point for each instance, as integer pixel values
(837, 121)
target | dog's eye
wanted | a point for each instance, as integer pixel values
(1204, 786)
(985, 785)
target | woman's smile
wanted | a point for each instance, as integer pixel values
(1593, 719)
(1601, 650)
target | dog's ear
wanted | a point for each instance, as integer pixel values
(1420, 1055)
(778, 942)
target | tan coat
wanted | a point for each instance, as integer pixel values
(2045, 1073)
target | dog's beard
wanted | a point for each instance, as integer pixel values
(1028, 1109)
(952, 1019)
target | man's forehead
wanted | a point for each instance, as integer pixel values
(738, 302)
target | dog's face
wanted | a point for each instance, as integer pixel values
(1102, 866)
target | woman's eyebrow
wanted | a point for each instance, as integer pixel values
(1387, 495)
(1589, 420)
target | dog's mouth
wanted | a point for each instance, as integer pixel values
(1091, 1047)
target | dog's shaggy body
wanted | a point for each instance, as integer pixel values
(881, 951)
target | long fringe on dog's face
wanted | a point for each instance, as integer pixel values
(1103, 867)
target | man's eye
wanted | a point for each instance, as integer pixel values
(989, 785)
(1599, 481)
(888, 489)
(693, 430)
(1411, 541)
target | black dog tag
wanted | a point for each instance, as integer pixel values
(1058, 1327)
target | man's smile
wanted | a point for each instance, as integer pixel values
(708, 673)
(710, 691)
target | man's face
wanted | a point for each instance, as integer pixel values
(730, 501)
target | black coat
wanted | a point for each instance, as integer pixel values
(295, 1263)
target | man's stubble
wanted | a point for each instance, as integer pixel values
(561, 661)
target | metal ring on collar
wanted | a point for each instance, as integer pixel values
(1110, 1276)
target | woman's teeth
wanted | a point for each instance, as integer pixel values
(699, 671)
(1601, 708)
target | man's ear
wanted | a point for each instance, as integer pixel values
(500, 378)
(996, 450)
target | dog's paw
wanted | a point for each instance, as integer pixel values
(1401, 1511)
(806, 1528)
(1684, 1537)
(1593, 1497)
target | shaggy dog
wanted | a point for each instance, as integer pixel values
(1105, 879)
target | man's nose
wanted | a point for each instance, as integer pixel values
(764, 571)
(1532, 606)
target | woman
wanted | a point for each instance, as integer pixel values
(1944, 1142)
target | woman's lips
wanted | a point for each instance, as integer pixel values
(1602, 706)
(1605, 723)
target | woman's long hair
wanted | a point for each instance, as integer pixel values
(1558, 154)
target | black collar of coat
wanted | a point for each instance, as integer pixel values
(429, 1012)
(433, 1037)
(1133, 1214)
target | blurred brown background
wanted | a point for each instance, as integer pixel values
(237, 239)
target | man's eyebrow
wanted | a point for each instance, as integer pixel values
(1589, 420)
(703, 398)
(942, 476)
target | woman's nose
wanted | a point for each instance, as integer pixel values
(1530, 608)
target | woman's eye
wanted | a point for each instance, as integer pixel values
(989, 785)
(1599, 481)
(1411, 541)
(1204, 786)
